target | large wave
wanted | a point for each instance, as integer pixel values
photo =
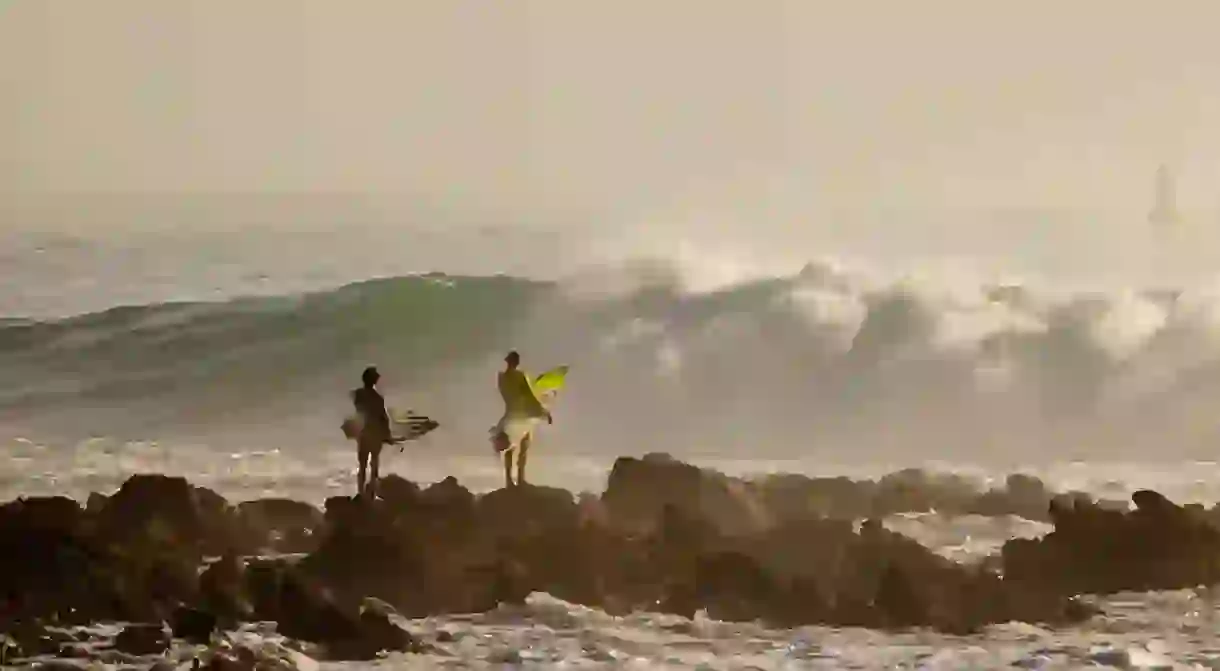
(821, 362)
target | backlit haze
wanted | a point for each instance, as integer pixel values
(821, 237)
(1019, 131)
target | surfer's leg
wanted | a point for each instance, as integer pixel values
(374, 470)
(508, 468)
(362, 453)
(522, 453)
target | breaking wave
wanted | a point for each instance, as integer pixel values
(824, 361)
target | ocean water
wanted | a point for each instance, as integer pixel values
(207, 360)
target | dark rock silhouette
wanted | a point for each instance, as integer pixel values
(195, 625)
(664, 536)
(638, 488)
(142, 639)
(286, 526)
(1100, 549)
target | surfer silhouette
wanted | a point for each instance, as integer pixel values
(374, 431)
(521, 407)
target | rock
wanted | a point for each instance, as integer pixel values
(448, 495)
(1095, 550)
(665, 535)
(143, 640)
(639, 489)
(900, 604)
(915, 490)
(397, 491)
(1028, 495)
(57, 665)
(222, 590)
(50, 564)
(193, 625)
(301, 607)
(375, 633)
(526, 510)
(305, 611)
(281, 525)
(32, 639)
(227, 661)
(168, 511)
(794, 497)
(369, 551)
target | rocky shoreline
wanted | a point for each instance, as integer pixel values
(176, 561)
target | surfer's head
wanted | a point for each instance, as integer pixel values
(513, 359)
(370, 376)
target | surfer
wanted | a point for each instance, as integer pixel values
(521, 406)
(374, 430)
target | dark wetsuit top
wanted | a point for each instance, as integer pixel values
(371, 406)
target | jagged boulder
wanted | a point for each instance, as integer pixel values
(793, 497)
(52, 565)
(164, 510)
(665, 535)
(306, 610)
(280, 525)
(143, 639)
(526, 511)
(1097, 549)
(639, 489)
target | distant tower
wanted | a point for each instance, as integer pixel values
(1165, 208)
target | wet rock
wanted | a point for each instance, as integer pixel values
(448, 496)
(27, 638)
(900, 604)
(226, 661)
(168, 511)
(526, 510)
(374, 633)
(664, 535)
(639, 489)
(307, 611)
(222, 590)
(915, 490)
(1096, 550)
(794, 497)
(397, 491)
(57, 665)
(143, 639)
(193, 625)
(282, 525)
(52, 565)
(368, 550)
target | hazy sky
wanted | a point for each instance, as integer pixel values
(616, 106)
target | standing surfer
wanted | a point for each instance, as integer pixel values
(522, 410)
(374, 430)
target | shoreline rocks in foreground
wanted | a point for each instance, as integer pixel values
(665, 536)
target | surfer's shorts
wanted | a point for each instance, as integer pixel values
(369, 445)
(509, 433)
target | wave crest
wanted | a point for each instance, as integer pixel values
(824, 359)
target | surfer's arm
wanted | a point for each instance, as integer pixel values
(506, 392)
(530, 397)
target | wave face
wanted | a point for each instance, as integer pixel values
(821, 362)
